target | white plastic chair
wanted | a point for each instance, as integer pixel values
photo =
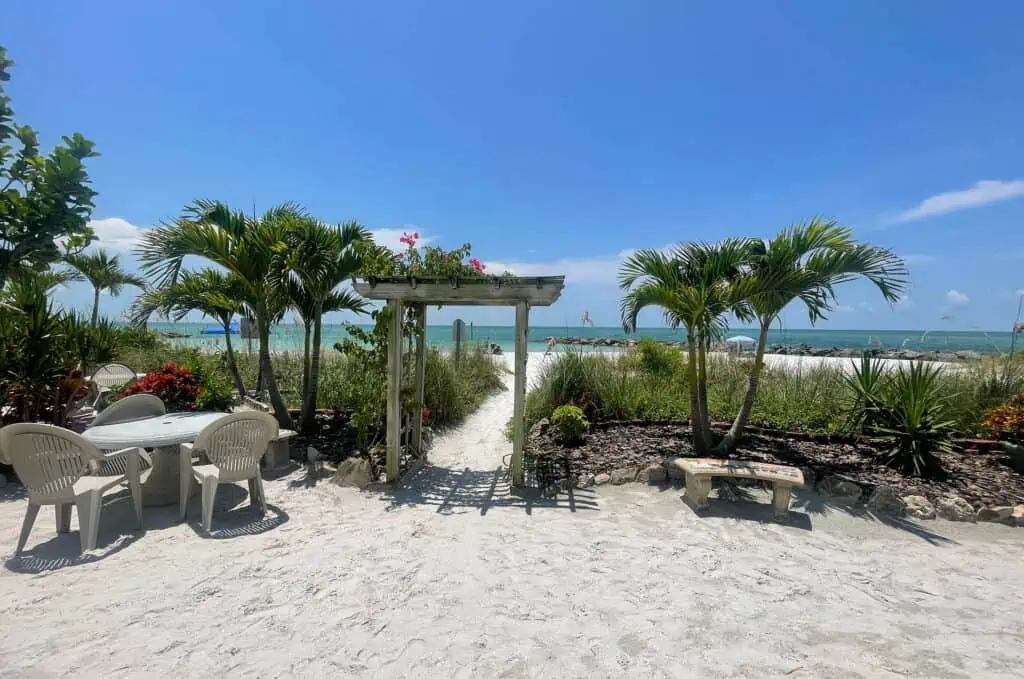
(112, 375)
(134, 407)
(53, 464)
(233, 445)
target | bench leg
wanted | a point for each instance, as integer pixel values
(697, 490)
(780, 500)
(278, 454)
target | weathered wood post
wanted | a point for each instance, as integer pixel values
(458, 332)
(394, 412)
(519, 404)
(421, 367)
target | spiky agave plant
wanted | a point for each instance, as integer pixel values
(866, 386)
(911, 421)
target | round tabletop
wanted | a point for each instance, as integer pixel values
(151, 432)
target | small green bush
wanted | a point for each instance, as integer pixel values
(570, 424)
(657, 359)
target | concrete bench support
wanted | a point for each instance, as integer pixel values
(279, 450)
(700, 471)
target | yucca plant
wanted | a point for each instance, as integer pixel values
(866, 385)
(911, 422)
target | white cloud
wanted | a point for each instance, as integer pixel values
(115, 233)
(845, 308)
(905, 303)
(865, 307)
(390, 237)
(599, 270)
(956, 297)
(984, 192)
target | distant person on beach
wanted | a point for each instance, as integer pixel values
(551, 346)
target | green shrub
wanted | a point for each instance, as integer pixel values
(570, 424)
(657, 359)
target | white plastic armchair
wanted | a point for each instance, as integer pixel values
(233, 447)
(134, 407)
(112, 375)
(53, 464)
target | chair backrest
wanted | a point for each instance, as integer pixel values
(134, 407)
(237, 442)
(113, 375)
(47, 459)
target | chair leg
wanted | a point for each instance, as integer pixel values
(88, 505)
(63, 512)
(184, 494)
(137, 500)
(209, 494)
(26, 526)
(258, 481)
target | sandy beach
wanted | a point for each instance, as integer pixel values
(451, 575)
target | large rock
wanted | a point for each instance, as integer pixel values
(918, 507)
(653, 474)
(1002, 514)
(602, 479)
(884, 500)
(955, 508)
(839, 489)
(585, 481)
(353, 473)
(621, 476)
(539, 427)
(1018, 515)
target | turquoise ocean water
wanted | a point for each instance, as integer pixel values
(288, 337)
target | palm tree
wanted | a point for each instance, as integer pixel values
(806, 262)
(319, 258)
(104, 272)
(212, 292)
(245, 247)
(697, 285)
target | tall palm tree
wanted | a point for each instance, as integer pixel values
(318, 260)
(104, 272)
(806, 262)
(211, 292)
(697, 285)
(246, 247)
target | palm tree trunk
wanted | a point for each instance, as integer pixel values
(696, 420)
(95, 306)
(702, 390)
(232, 366)
(309, 398)
(732, 437)
(305, 360)
(280, 408)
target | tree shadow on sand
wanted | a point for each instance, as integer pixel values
(455, 491)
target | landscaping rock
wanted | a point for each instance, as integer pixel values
(585, 481)
(918, 507)
(955, 508)
(885, 500)
(1003, 514)
(602, 479)
(621, 476)
(353, 473)
(674, 472)
(839, 489)
(539, 427)
(1018, 515)
(653, 474)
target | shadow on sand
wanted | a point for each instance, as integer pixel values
(233, 515)
(451, 490)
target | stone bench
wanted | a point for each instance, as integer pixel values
(279, 451)
(700, 471)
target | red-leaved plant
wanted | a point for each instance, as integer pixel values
(176, 387)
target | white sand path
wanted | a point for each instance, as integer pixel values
(452, 576)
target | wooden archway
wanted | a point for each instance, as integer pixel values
(521, 292)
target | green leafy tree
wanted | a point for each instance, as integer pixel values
(211, 292)
(103, 271)
(697, 285)
(806, 262)
(45, 201)
(318, 259)
(247, 247)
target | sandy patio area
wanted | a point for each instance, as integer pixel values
(450, 575)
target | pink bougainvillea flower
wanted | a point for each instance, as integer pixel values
(416, 235)
(401, 255)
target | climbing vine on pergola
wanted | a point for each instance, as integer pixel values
(521, 292)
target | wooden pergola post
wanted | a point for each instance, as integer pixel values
(519, 404)
(421, 368)
(394, 411)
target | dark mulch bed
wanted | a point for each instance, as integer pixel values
(980, 478)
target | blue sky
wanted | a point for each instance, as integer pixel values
(554, 136)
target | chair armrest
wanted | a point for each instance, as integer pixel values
(125, 451)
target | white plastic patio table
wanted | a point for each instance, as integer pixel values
(162, 433)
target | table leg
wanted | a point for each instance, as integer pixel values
(162, 487)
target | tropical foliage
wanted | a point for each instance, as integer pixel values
(45, 200)
(1007, 420)
(570, 424)
(103, 271)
